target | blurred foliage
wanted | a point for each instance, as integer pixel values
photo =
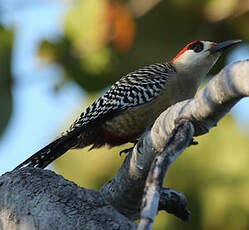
(105, 39)
(86, 54)
(6, 40)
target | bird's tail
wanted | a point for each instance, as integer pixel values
(49, 153)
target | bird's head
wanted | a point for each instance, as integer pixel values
(200, 55)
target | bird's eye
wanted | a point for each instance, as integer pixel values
(197, 47)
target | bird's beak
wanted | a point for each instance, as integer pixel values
(223, 45)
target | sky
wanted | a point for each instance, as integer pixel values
(39, 114)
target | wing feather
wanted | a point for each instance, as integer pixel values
(136, 88)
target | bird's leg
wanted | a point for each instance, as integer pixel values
(193, 142)
(129, 149)
(134, 142)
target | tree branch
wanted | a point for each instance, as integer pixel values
(32, 198)
(180, 138)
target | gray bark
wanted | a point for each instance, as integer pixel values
(39, 199)
(180, 139)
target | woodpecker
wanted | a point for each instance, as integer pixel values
(133, 103)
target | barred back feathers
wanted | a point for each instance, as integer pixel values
(136, 88)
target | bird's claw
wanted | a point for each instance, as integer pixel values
(129, 149)
(125, 151)
(193, 142)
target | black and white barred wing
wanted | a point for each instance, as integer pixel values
(134, 89)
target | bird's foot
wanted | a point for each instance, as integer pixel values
(125, 151)
(193, 142)
(129, 149)
(134, 142)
